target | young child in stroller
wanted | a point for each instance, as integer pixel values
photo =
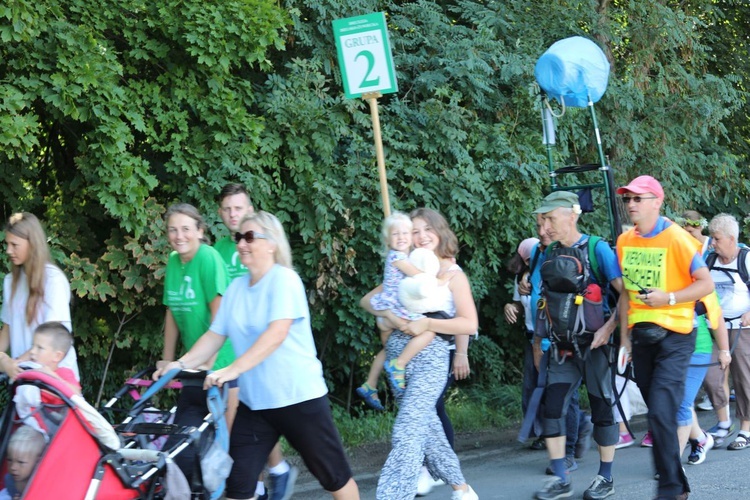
(24, 449)
(86, 455)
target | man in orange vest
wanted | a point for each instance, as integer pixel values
(664, 275)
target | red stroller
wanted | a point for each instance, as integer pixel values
(86, 458)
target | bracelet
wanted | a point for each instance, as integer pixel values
(461, 354)
(726, 351)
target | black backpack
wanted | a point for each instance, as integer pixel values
(741, 265)
(571, 304)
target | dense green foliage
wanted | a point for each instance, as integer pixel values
(112, 110)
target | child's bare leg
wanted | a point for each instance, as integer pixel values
(377, 364)
(397, 368)
(368, 391)
(385, 332)
(376, 368)
(413, 347)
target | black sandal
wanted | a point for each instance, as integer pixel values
(740, 442)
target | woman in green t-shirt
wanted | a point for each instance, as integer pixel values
(195, 281)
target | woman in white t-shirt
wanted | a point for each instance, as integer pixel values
(34, 291)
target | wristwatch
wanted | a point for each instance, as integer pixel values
(672, 299)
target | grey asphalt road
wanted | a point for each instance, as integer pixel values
(505, 469)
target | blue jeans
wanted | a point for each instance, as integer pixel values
(660, 371)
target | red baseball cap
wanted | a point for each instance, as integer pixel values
(641, 185)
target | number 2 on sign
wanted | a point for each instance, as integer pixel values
(367, 81)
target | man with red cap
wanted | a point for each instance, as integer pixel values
(664, 275)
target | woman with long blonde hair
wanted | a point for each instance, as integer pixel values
(34, 292)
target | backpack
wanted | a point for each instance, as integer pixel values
(741, 265)
(571, 303)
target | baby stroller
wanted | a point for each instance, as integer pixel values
(200, 442)
(86, 458)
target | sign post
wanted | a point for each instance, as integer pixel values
(367, 71)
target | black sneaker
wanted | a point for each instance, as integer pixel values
(555, 489)
(600, 488)
(538, 444)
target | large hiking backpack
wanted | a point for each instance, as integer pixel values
(571, 303)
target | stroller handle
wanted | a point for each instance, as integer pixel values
(155, 387)
(159, 385)
(141, 374)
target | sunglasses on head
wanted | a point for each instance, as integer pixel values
(249, 236)
(636, 199)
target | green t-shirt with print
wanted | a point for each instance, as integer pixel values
(188, 291)
(227, 248)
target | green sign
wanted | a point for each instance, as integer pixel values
(365, 55)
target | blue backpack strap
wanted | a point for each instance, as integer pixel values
(535, 260)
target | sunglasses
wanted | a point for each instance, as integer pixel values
(249, 236)
(636, 199)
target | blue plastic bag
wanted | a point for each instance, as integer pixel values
(573, 69)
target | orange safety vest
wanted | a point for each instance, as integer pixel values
(663, 262)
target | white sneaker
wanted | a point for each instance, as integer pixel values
(469, 494)
(699, 451)
(425, 484)
(705, 404)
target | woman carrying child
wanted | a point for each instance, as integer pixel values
(34, 291)
(397, 238)
(418, 433)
